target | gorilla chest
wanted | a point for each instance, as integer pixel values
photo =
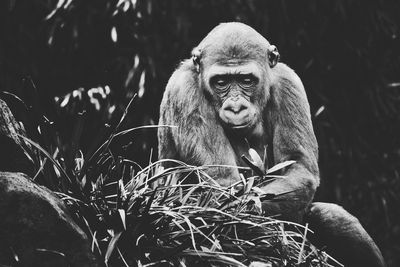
(241, 145)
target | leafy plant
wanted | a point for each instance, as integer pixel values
(176, 216)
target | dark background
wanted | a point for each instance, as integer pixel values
(346, 52)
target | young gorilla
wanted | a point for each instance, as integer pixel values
(234, 95)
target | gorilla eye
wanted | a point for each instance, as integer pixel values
(247, 81)
(220, 82)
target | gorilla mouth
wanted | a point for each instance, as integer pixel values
(240, 126)
(238, 123)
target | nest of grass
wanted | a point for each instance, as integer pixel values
(177, 216)
(155, 217)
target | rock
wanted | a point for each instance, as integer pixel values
(36, 229)
(13, 155)
(342, 235)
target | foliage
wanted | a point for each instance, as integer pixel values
(177, 216)
(182, 224)
(346, 52)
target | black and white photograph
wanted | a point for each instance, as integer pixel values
(243, 133)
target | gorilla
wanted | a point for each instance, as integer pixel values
(234, 94)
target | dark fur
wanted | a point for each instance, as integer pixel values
(284, 126)
(200, 139)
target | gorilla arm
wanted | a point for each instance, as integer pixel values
(199, 138)
(289, 124)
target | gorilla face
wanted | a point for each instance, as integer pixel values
(236, 84)
(234, 63)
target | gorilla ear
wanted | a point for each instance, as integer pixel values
(196, 55)
(273, 56)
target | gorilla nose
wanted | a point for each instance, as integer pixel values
(235, 107)
(235, 112)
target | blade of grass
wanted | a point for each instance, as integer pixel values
(111, 246)
(60, 169)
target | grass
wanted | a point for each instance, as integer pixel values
(155, 218)
(176, 216)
